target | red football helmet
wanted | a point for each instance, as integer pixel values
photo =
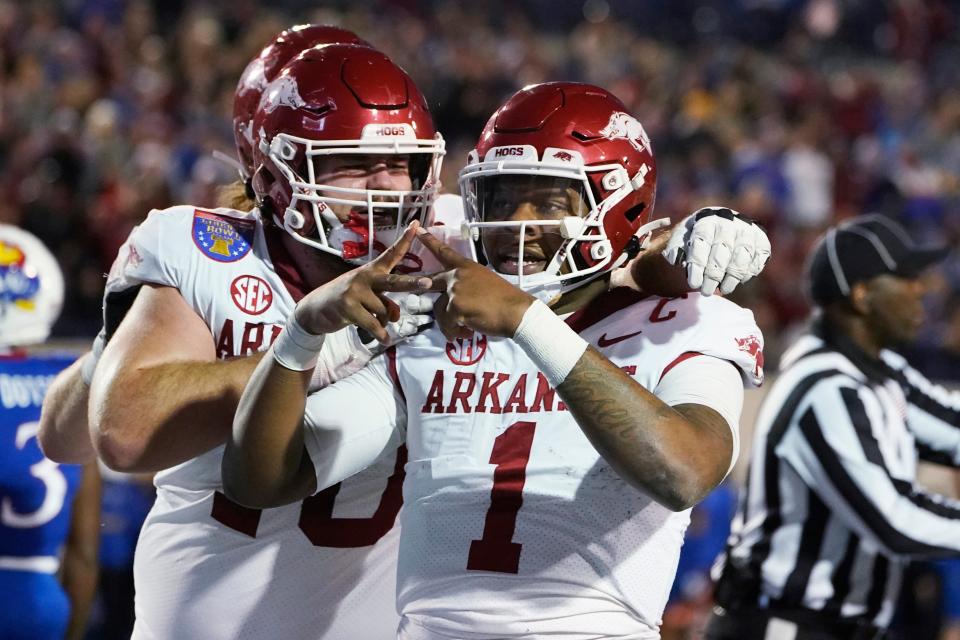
(265, 68)
(342, 99)
(579, 137)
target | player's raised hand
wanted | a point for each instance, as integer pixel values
(473, 298)
(719, 247)
(357, 297)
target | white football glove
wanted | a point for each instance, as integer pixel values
(347, 352)
(718, 247)
(415, 312)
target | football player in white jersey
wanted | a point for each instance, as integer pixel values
(64, 435)
(215, 287)
(558, 430)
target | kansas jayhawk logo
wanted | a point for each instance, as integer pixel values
(221, 238)
(19, 283)
(623, 126)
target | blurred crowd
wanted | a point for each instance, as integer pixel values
(795, 112)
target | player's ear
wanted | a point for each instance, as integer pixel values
(860, 297)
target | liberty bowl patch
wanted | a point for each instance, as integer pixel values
(221, 238)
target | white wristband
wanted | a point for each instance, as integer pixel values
(295, 348)
(550, 342)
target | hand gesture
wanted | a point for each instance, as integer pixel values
(357, 297)
(474, 298)
(719, 247)
(416, 314)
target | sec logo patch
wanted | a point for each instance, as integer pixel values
(251, 294)
(467, 351)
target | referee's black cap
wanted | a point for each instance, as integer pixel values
(860, 249)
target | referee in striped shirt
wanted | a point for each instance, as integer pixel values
(831, 514)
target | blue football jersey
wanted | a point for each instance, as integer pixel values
(36, 495)
(124, 505)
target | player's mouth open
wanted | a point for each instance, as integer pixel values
(510, 263)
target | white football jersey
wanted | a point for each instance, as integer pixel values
(513, 525)
(206, 567)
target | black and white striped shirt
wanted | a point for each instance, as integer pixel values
(831, 514)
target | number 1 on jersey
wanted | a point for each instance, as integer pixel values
(496, 551)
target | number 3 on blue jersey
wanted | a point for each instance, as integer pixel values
(54, 482)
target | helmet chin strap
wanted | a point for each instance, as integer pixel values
(548, 292)
(645, 233)
(545, 292)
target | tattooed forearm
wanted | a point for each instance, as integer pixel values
(674, 455)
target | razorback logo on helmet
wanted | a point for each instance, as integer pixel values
(467, 351)
(623, 126)
(751, 344)
(564, 156)
(283, 92)
(251, 294)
